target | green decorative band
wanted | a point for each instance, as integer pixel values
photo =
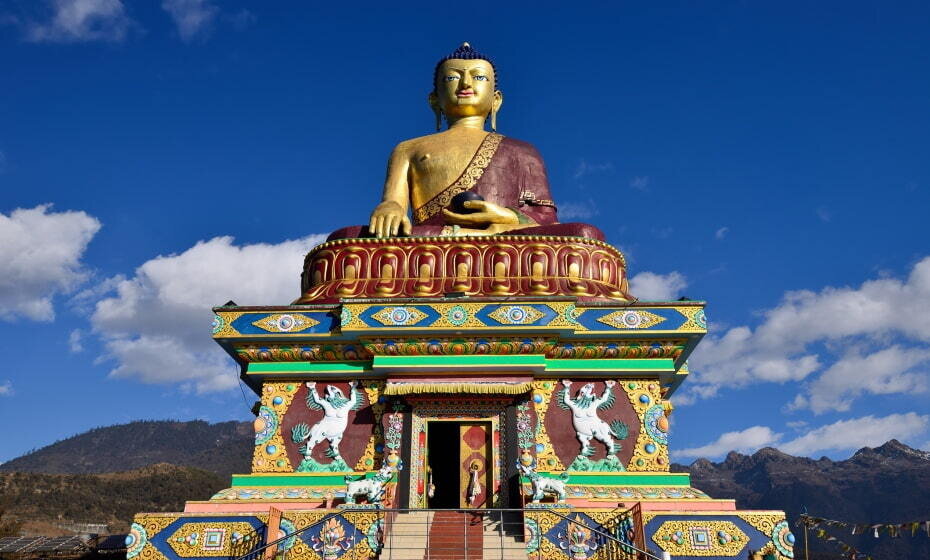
(524, 362)
(479, 361)
(624, 479)
(309, 367)
(657, 364)
(293, 480)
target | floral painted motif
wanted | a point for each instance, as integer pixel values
(332, 541)
(457, 315)
(525, 434)
(577, 540)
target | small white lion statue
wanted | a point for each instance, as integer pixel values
(543, 485)
(372, 488)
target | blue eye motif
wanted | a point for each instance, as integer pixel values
(451, 78)
(481, 78)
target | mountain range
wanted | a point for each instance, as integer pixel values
(108, 473)
(224, 448)
(886, 484)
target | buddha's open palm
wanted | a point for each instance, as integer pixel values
(486, 213)
(388, 219)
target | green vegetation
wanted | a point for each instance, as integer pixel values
(112, 498)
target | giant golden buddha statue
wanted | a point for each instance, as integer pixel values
(465, 212)
(465, 180)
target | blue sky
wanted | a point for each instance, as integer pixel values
(160, 157)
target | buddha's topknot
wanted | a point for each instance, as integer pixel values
(466, 52)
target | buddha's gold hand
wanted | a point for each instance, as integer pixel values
(487, 213)
(387, 218)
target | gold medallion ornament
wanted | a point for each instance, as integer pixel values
(630, 319)
(196, 540)
(399, 316)
(286, 322)
(700, 538)
(515, 315)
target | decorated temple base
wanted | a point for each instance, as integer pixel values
(528, 398)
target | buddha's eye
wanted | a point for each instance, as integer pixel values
(481, 78)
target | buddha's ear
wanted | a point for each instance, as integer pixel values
(498, 100)
(495, 107)
(433, 101)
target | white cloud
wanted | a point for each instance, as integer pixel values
(854, 433)
(588, 168)
(577, 210)
(649, 286)
(745, 441)
(74, 341)
(722, 232)
(40, 252)
(191, 17)
(867, 431)
(891, 370)
(83, 20)
(85, 300)
(156, 325)
(640, 183)
(801, 336)
(6, 388)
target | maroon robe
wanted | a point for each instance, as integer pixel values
(504, 171)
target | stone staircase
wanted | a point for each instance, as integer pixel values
(453, 535)
(504, 541)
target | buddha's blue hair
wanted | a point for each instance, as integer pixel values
(466, 52)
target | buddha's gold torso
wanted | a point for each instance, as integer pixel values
(437, 160)
(423, 172)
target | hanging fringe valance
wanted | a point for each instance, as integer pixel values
(474, 388)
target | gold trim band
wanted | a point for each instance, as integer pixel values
(471, 388)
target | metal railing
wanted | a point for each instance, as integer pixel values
(465, 534)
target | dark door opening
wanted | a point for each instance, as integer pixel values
(443, 456)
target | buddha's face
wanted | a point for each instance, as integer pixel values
(465, 88)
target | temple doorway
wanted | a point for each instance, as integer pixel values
(458, 463)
